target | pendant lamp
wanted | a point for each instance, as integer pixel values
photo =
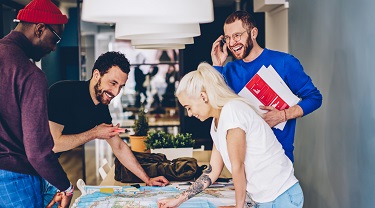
(133, 31)
(150, 11)
(161, 46)
(136, 42)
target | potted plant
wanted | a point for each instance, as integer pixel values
(140, 128)
(183, 141)
(171, 146)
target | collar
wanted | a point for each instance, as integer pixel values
(19, 39)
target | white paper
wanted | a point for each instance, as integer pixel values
(269, 89)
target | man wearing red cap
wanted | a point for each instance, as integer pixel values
(26, 157)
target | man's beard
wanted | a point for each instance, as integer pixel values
(247, 49)
(99, 94)
(38, 52)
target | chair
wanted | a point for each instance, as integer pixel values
(104, 168)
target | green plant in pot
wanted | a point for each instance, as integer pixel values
(173, 147)
(140, 128)
(183, 140)
(158, 139)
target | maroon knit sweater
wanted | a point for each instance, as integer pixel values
(25, 139)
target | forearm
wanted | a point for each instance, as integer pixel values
(68, 142)
(292, 112)
(198, 186)
(127, 158)
(236, 142)
(239, 181)
(208, 177)
(38, 146)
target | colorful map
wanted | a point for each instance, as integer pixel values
(147, 197)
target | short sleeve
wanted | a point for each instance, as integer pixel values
(237, 114)
(58, 105)
(107, 117)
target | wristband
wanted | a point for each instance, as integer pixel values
(285, 118)
(69, 191)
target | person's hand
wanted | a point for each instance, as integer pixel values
(273, 116)
(219, 54)
(158, 181)
(226, 206)
(168, 203)
(62, 199)
(105, 131)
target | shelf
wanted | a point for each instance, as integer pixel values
(268, 5)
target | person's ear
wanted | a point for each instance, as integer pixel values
(96, 74)
(204, 97)
(254, 33)
(39, 29)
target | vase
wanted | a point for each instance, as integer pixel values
(137, 143)
(173, 153)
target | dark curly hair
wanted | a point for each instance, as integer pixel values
(110, 59)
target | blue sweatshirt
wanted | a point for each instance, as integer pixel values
(238, 73)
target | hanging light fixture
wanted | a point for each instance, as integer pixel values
(136, 42)
(150, 11)
(134, 31)
(161, 46)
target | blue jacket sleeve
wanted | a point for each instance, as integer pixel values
(302, 86)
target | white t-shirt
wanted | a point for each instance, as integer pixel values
(269, 172)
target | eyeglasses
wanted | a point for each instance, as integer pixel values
(54, 32)
(236, 37)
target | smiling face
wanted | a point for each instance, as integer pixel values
(196, 106)
(240, 49)
(109, 85)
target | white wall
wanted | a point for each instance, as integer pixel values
(276, 23)
(335, 146)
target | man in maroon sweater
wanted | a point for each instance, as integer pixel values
(26, 156)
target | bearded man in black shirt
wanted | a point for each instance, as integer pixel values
(78, 112)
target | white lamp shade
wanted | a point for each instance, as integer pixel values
(155, 31)
(161, 46)
(138, 42)
(151, 11)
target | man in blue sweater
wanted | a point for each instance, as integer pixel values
(240, 33)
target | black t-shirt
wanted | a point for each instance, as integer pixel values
(70, 104)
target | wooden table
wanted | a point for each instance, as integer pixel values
(203, 158)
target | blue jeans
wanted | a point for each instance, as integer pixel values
(20, 190)
(291, 198)
(49, 192)
(23, 190)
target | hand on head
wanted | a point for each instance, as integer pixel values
(219, 53)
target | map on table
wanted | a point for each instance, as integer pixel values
(147, 197)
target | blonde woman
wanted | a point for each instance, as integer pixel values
(263, 175)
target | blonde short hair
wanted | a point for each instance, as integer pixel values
(207, 79)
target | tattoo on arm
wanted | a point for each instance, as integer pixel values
(208, 170)
(199, 185)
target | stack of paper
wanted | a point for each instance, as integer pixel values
(269, 89)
